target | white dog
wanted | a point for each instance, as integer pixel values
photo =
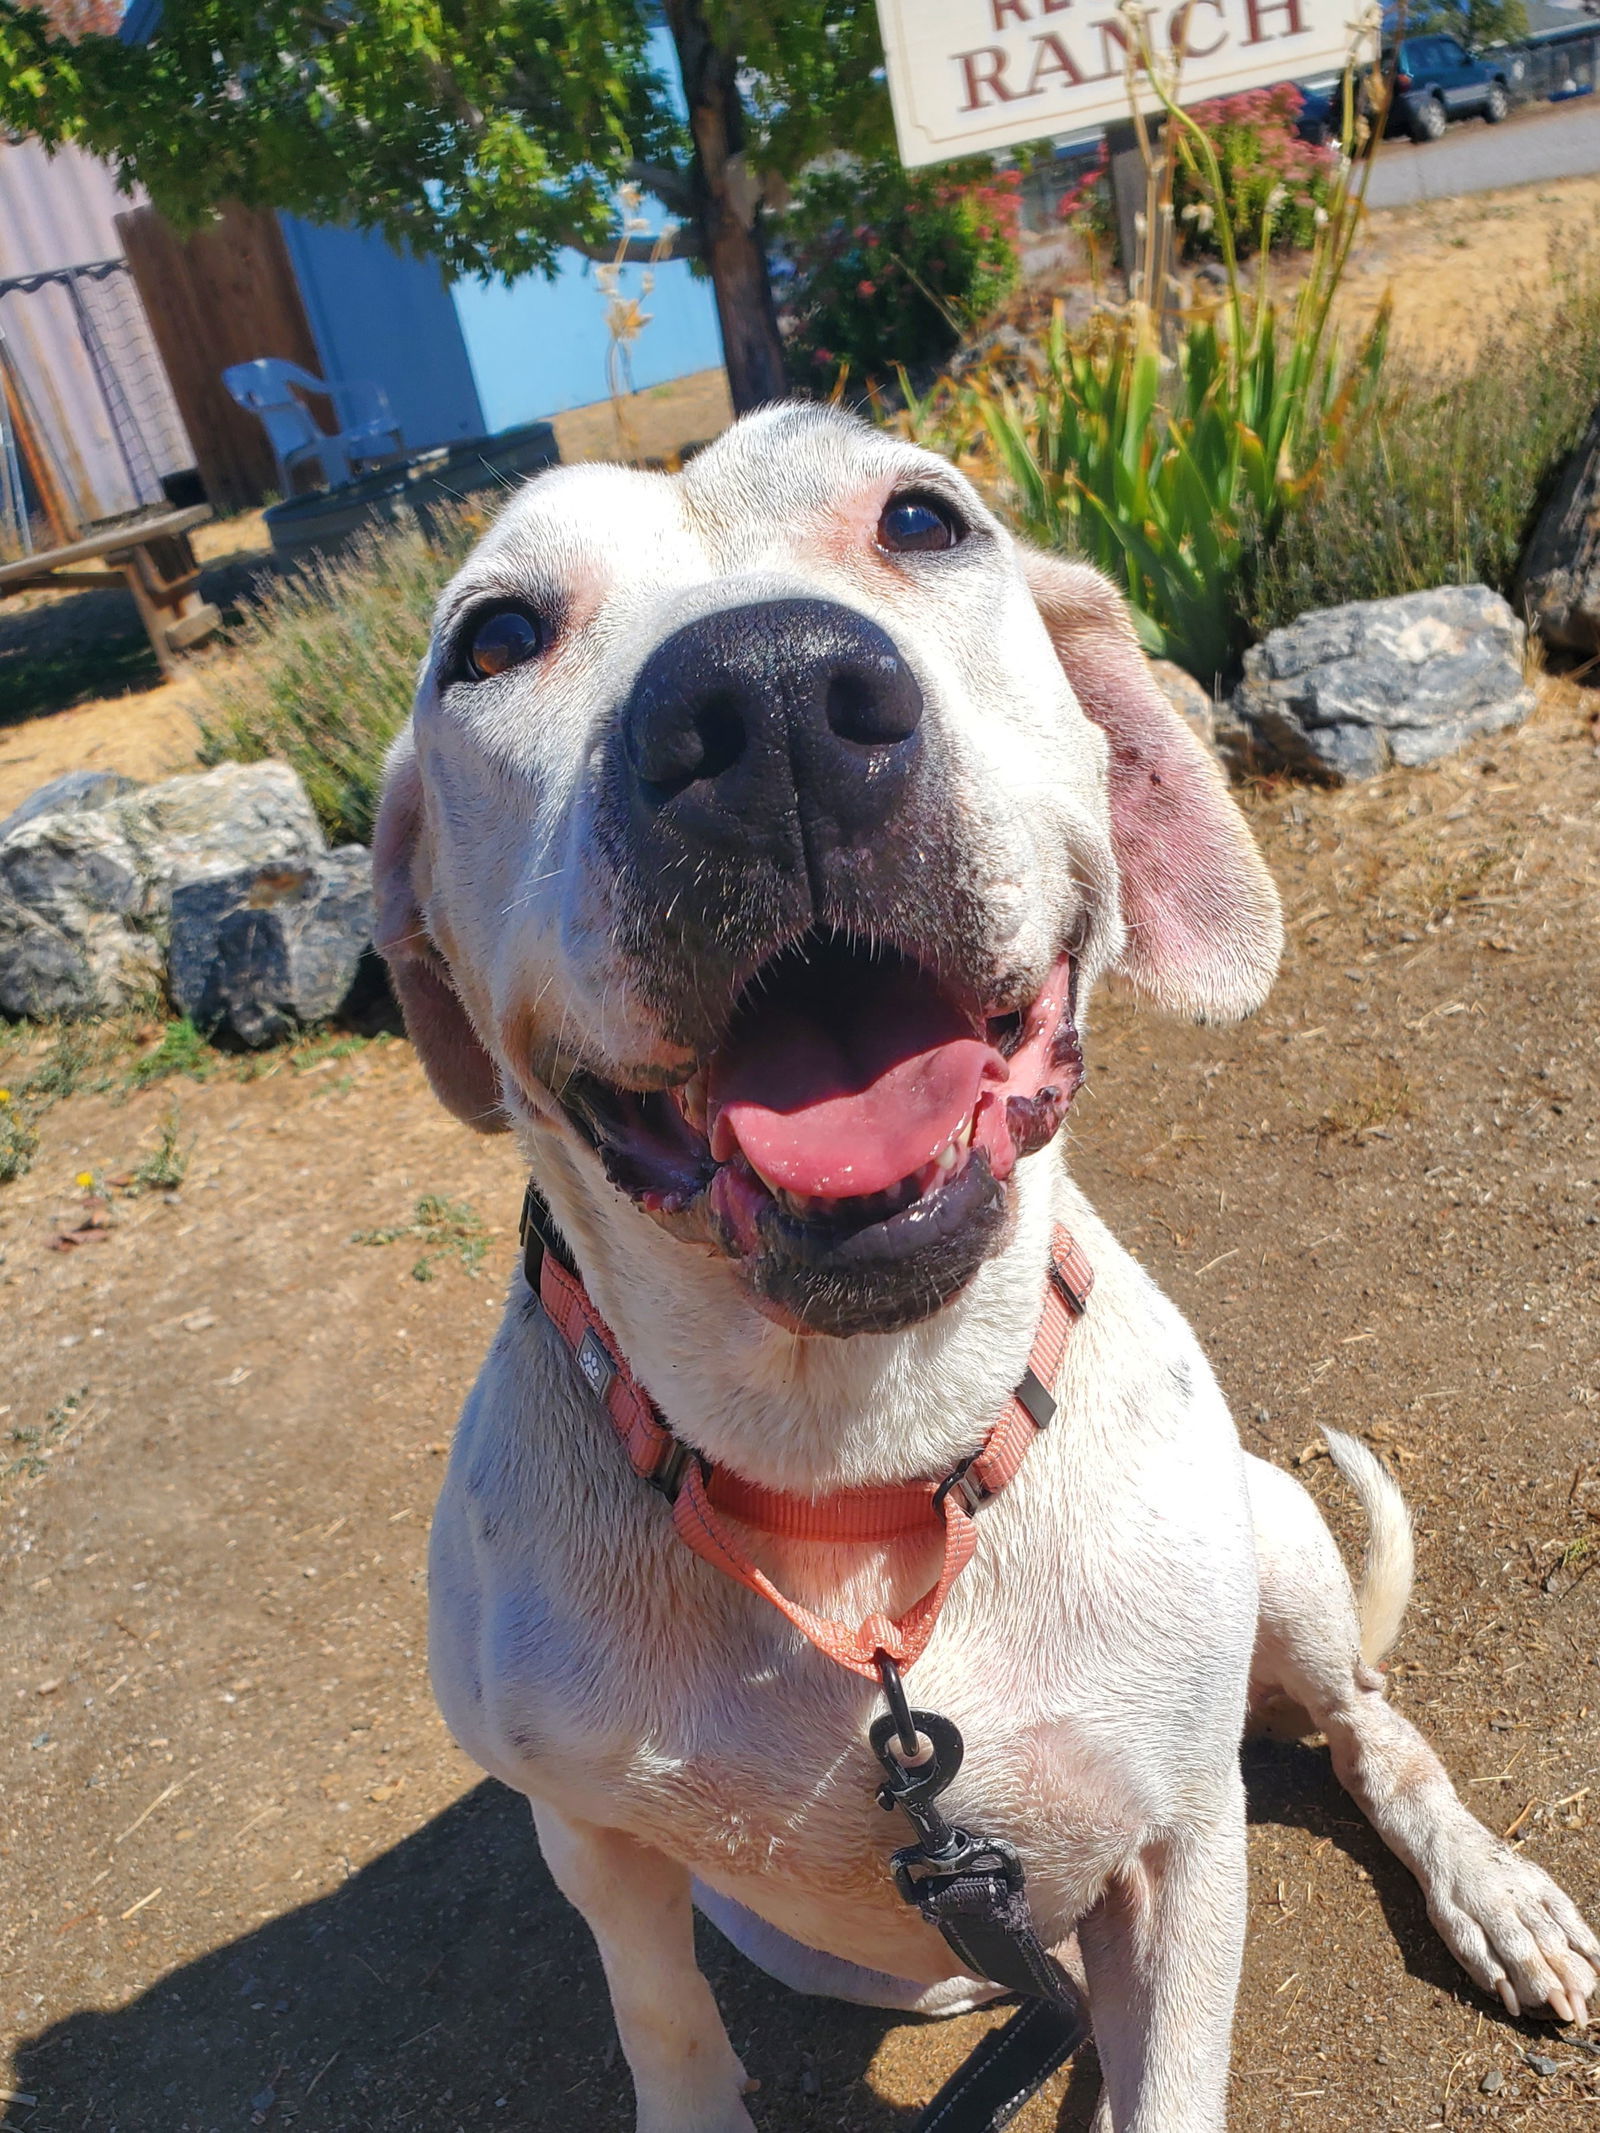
(757, 842)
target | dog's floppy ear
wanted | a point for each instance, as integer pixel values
(461, 1071)
(1204, 930)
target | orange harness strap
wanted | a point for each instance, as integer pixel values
(703, 1496)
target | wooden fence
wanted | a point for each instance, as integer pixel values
(223, 295)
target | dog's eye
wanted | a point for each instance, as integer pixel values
(499, 639)
(918, 525)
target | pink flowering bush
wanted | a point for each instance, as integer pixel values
(1271, 179)
(1089, 205)
(891, 267)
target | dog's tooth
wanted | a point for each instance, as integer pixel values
(947, 1158)
(691, 1097)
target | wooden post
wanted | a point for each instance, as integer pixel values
(60, 516)
(220, 295)
(1127, 191)
(163, 577)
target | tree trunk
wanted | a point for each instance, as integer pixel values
(728, 211)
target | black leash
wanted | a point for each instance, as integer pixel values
(1011, 2065)
(974, 1890)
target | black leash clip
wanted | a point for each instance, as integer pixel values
(921, 1752)
(971, 1888)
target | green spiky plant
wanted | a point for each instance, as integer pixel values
(1163, 442)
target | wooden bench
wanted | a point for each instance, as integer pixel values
(156, 561)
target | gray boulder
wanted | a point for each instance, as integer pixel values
(1561, 572)
(1346, 692)
(85, 896)
(75, 792)
(263, 951)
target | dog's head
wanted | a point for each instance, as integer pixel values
(759, 834)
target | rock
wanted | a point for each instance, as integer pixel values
(1542, 2064)
(1192, 703)
(75, 792)
(1493, 2082)
(85, 897)
(267, 949)
(1345, 692)
(1561, 571)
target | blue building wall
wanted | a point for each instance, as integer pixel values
(386, 316)
(539, 346)
(482, 355)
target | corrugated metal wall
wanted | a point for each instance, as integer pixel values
(82, 347)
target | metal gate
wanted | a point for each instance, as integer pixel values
(89, 385)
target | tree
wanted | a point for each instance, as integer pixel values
(488, 133)
(1477, 23)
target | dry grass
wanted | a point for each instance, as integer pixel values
(327, 662)
(1380, 1098)
(1445, 484)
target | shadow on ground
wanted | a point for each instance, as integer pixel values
(91, 645)
(1293, 1785)
(447, 1985)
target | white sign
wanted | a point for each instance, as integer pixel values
(966, 76)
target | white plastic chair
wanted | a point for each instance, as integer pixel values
(269, 388)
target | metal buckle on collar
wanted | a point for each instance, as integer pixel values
(537, 1234)
(668, 1476)
(1074, 1296)
(963, 1479)
(917, 1875)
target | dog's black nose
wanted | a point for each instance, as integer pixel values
(780, 732)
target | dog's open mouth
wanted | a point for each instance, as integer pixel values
(849, 1140)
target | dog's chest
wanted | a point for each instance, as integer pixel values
(593, 1662)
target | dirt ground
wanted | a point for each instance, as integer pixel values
(251, 1882)
(1456, 270)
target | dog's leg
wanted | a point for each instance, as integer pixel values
(1502, 1917)
(1161, 1953)
(636, 1904)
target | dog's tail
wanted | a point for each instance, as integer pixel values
(1390, 1558)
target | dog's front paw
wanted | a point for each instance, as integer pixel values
(712, 2107)
(1517, 1934)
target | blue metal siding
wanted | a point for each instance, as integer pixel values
(540, 346)
(386, 316)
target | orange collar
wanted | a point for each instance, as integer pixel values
(703, 1496)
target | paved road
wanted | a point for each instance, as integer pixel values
(1545, 141)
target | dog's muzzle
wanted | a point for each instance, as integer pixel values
(762, 753)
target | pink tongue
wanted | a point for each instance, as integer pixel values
(850, 1089)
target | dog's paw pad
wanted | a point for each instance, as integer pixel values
(1519, 1935)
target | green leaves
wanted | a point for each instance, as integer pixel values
(1160, 468)
(487, 135)
(893, 266)
(1167, 445)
